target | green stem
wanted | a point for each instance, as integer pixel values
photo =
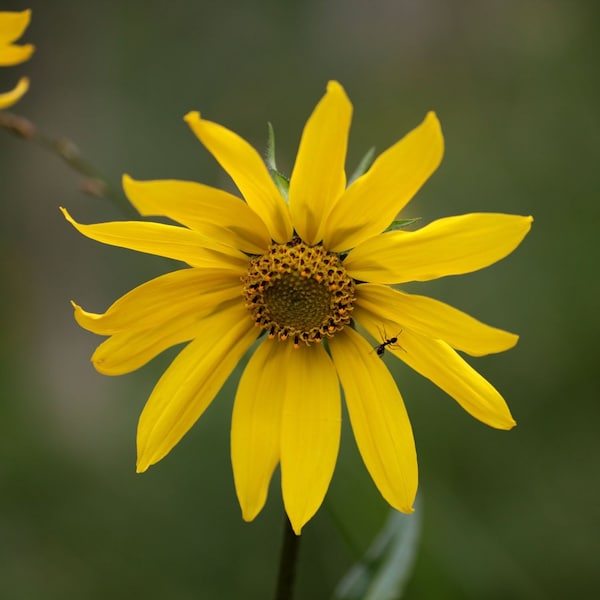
(94, 183)
(287, 562)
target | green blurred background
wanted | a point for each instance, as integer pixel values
(515, 84)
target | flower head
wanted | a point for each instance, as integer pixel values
(313, 275)
(12, 26)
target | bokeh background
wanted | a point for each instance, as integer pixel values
(515, 84)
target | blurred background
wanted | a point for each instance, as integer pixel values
(515, 84)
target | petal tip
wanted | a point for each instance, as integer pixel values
(67, 216)
(431, 121)
(128, 184)
(336, 89)
(11, 97)
(504, 423)
(297, 528)
(335, 86)
(143, 463)
(432, 117)
(297, 522)
(512, 340)
(250, 507)
(249, 515)
(192, 117)
(98, 363)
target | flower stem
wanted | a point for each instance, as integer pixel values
(93, 182)
(287, 562)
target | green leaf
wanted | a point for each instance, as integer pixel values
(281, 181)
(384, 570)
(363, 165)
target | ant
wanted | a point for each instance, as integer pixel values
(387, 342)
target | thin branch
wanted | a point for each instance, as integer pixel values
(93, 184)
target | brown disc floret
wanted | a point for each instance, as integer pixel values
(299, 292)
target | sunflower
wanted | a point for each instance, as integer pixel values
(12, 26)
(300, 281)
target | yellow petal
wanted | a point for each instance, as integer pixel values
(434, 319)
(318, 177)
(13, 25)
(131, 349)
(188, 291)
(247, 169)
(437, 361)
(9, 98)
(379, 420)
(15, 54)
(450, 246)
(310, 430)
(205, 209)
(373, 201)
(189, 385)
(178, 243)
(256, 426)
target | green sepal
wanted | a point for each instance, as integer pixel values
(400, 223)
(281, 181)
(363, 166)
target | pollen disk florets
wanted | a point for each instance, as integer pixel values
(299, 292)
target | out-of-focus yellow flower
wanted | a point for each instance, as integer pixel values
(12, 26)
(312, 273)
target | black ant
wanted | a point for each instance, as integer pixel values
(387, 342)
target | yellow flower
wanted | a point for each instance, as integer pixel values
(12, 26)
(311, 274)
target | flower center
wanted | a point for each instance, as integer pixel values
(299, 291)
